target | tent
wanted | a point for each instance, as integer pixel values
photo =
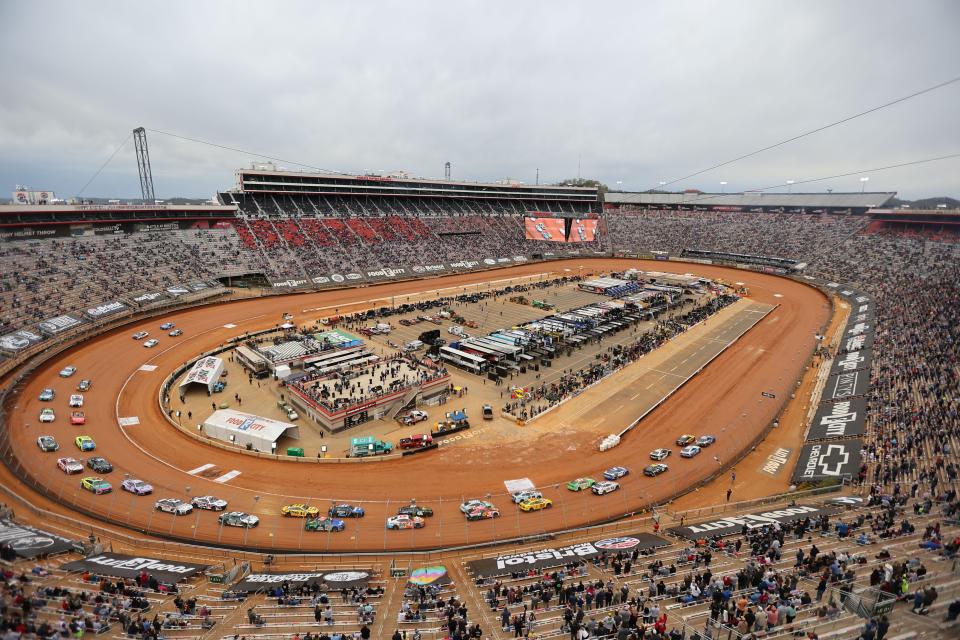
(245, 428)
(206, 371)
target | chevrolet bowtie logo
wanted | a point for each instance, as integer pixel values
(833, 460)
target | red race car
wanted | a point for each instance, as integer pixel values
(77, 418)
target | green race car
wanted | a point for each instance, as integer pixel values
(580, 484)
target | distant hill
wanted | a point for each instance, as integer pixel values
(926, 203)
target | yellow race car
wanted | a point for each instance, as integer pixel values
(300, 511)
(535, 504)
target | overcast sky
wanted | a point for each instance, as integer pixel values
(639, 92)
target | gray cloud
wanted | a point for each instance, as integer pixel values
(641, 92)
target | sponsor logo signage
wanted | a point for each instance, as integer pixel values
(178, 290)
(828, 460)
(335, 580)
(559, 556)
(847, 385)
(147, 298)
(855, 360)
(840, 419)
(775, 461)
(106, 309)
(19, 340)
(117, 565)
(465, 264)
(28, 542)
(386, 272)
(734, 524)
(53, 326)
(288, 284)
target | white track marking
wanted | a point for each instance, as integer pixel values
(230, 326)
(199, 469)
(227, 477)
(128, 422)
(148, 367)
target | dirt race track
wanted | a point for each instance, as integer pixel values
(725, 399)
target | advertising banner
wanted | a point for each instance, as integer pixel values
(859, 342)
(106, 309)
(846, 385)
(289, 284)
(149, 298)
(19, 340)
(335, 580)
(464, 265)
(116, 565)
(28, 542)
(858, 360)
(545, 229)
(178, 290)
(829, 460)
(842, 419)
(53, 326)
(385, 273)
(583, 230)
(426, 269)
(559, 556)
(436, 575)
(732, 525)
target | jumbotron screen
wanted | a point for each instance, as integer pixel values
(548, 229)
(583, 230)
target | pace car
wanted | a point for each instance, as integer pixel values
(345, 511)
(323, 523)
(404, 522)
(77, 418)
(705, 441)
(48, 443)
(529, 494)
(654, 470)
(47, 415)
(660, 454)
(95, 485)
(69, 465)
(615, 473)
(535, 504)
(47, 395)
(580, 484)
(100, 465)
(685, 439)
(85, 443)
(176, 506)
(66, 372)
(76, 401)
(137, 487)
(238, 519)
(209, 503)
(482, 513)
(299, 510)
(607, 486)
(415, 510)
(690, 451)
(469, 505)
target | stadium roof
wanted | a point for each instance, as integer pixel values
(755, 199)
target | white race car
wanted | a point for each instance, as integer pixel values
(659, 454)
(689, 451)
(404, 522)
(151, 343)
(69, 465)
(76, 400)
(173, 505)
(209, 503)
(605, 486)
(520, 496)
(47, 415)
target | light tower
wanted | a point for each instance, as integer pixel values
(446, 171)
(143, 164)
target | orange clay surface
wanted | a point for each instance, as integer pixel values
(723, 400)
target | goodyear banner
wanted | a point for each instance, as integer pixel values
(556, 557)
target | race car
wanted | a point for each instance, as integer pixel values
(238, 519)
(48, 443)
(84, 385)
(705, 441)
(580, 484)
(535, 504)
(66, 372)
(175, 333)
(542, 228)
(615, 473)
(166, 326)
(417, 441)
(209, 503)
(69, 465)
(95, 485)
(654, 470)
(404, 522)
(414, 417)
(470, 505)
(176, 506)
(415, 510)
(47, 395)
(690, 451)
(47, 415)
(137, 487)
(299, 510)
(85, 443)
(685, 439)
(140, 335)
(529, 494)
(660, 454)
(323, 523)
(483, 513)
(605, 486)
(76, 400)
(151, 343)
(100, 465)
(77, 418)
(345, 511)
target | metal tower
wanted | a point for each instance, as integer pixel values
(446, 171)
(143, 164)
